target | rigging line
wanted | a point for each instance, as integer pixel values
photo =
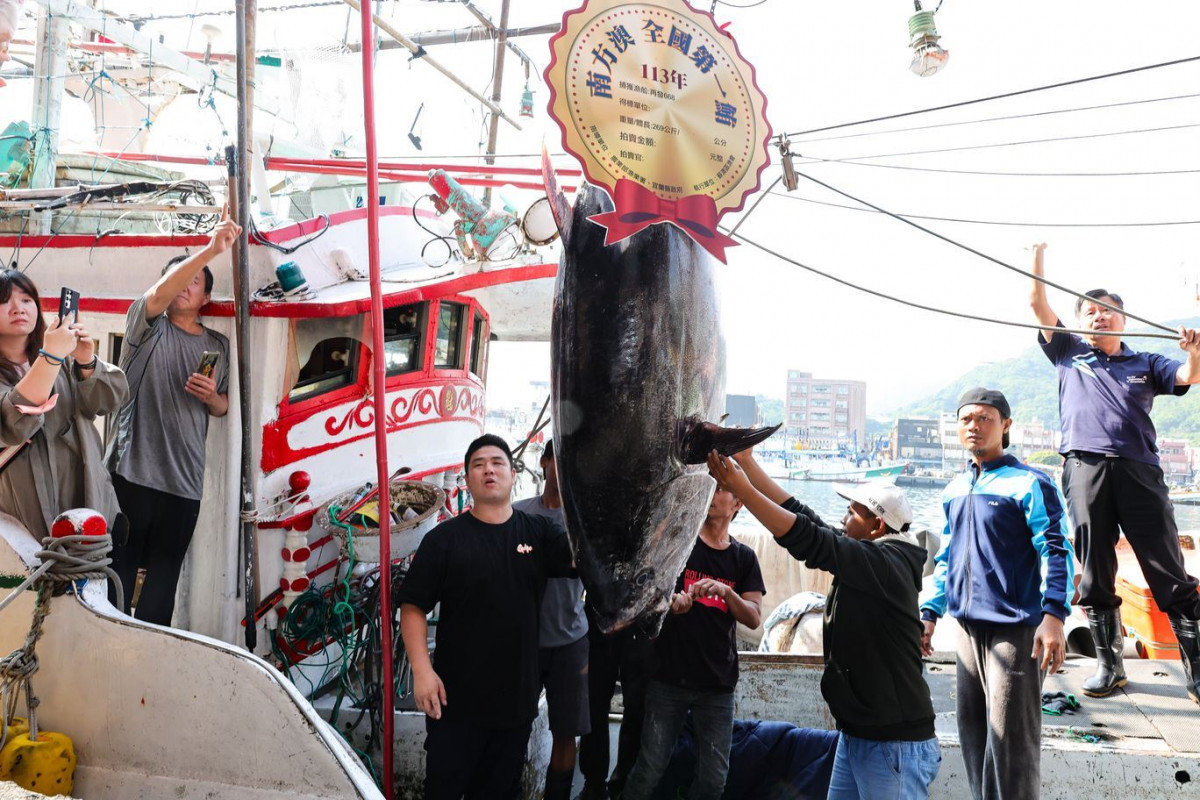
(1077, 137)
(1017, 93)
(1001, 173)
(946, 311)
(750, 211)
(990, 221)
(1000, 119)
(985, 256)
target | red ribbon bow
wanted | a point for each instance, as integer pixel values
(637, 207)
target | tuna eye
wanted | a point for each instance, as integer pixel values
(643, 577)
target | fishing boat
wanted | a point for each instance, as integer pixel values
(843, 471)
(302, 449)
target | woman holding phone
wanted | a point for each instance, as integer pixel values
(52, 388)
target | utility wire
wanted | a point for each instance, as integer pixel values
(1000, 119)
(1002, 173)
(1017, 93)
(946, 311)
(990, 221)
(984, 256)
(1024, 142)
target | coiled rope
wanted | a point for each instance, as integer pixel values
(65, 559)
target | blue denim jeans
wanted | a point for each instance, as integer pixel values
(666, 711)
(868, 770)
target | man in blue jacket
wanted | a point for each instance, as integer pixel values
(1004, 572)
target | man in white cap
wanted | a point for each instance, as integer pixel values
(873, 678)
(1004, 572)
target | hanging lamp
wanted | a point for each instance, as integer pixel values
(928, 56)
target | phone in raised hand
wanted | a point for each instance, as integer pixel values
(68, 304)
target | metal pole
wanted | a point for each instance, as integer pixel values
(497, 81)
(241, 274)
(49, 69)
(379, 389)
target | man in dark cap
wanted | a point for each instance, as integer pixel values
(1004, 572)
(1111, 472)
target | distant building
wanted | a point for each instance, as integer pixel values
(825, 413)
(918, 440)
(1176, 461)
(954, 455)
(1026, 438)
(742, 410)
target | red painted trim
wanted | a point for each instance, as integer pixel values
(304, 310)
(278, 453)
(65, 240)
(434, 291)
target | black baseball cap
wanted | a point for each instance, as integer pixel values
(987, 397)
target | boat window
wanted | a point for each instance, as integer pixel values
(479, 344)
(449, 336)
(328, 351)
(402, 329)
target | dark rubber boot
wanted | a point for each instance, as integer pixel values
(1110, 647)
(1189, 649)
(558, 785)
(592, 791)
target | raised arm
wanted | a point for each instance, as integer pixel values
(726, 472)
(759, 478)
(160, 295)
(1037, 295)
(1189, 370)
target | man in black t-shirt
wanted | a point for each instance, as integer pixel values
(697, 657)
(488, 568)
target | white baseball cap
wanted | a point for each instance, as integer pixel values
(884, 500)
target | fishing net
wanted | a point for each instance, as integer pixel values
(319, 96)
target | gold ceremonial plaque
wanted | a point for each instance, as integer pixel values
(657, 94)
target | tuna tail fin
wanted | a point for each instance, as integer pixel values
(697, 439)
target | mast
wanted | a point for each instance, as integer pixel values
(379, 396)
(494, 121)
(241, 283)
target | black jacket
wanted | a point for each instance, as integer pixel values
(873, 679)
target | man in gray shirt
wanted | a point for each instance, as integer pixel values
(157, 455)
(562, 647)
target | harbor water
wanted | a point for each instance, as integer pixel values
(926, 504)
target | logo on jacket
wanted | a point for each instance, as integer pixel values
(1138, 379)
(524, 549)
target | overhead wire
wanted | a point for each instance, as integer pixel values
(1004, 95)
(1052, 139)
(1003, 173)
(1010, 223)
(981, 254)
(937, 310)
(1005, 118)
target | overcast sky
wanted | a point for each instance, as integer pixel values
(828, 63)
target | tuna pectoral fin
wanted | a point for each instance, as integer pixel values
(697, 439)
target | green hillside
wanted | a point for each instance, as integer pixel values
(1028, 381)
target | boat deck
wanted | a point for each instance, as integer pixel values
(1152, 713)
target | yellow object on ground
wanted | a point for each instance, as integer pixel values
(46, 766)
(19, 725)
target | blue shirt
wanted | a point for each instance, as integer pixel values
(1104, 401)
(1005, 556)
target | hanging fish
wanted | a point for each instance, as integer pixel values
(638, 369)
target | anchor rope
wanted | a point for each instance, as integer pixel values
(65, 559)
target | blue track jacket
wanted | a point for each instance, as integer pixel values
(1005, 556)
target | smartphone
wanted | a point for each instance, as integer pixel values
(208, 363)
(68, 303)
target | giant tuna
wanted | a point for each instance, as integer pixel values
(637, 385)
